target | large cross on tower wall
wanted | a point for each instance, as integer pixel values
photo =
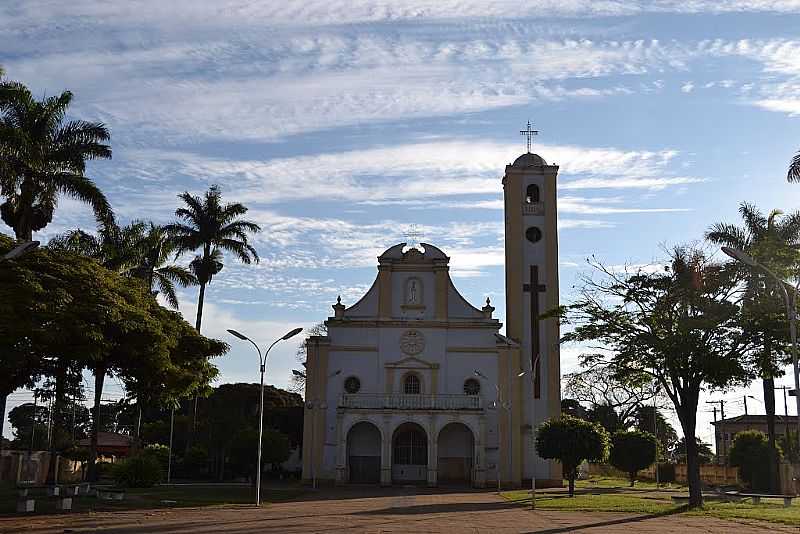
(534, 288)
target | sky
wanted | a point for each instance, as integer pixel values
(341, 124)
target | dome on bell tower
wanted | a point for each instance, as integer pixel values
(529, 160)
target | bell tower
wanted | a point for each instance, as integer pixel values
(531, 262)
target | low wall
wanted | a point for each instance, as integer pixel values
(716, 475)
(23, 467)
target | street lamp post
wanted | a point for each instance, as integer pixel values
(790, 300)
(262, 367)
(534, 366)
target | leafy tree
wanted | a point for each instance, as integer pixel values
(614, 400)
(771, 240)
(76, 308)
(211, 226)
(664, 431)
(704, 453)
(789, 446)
(605, 416)
(44, 156)
(19, 367)
(573, 408)
(633, 451)
(750, 452)
(276, 447)
(571, 441)
(679, 324)
(26, 419)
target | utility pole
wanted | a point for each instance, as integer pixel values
(716, 445)
(745, 404)
(785, 413)
(722, 427)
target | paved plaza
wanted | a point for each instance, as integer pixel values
(400, 510)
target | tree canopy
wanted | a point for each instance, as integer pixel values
(571, 441)
(77, 310)
(632, 451)
(679, 324)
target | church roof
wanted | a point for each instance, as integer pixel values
(529, 160)
(428, 253)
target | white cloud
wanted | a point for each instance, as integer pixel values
(411, 171)
(687, 87)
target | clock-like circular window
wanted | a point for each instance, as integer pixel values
(352, 384)
(533, 234)
(472, 386)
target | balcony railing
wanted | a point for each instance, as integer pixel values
(400, 401)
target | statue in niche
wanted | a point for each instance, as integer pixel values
(413, 291)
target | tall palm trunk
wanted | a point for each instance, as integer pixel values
(23, 229)
(200, 305)
(99, 378)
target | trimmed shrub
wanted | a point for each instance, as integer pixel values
(633, 451)
(666, 472)
(571, 441)
(750, 453)
(139, 471)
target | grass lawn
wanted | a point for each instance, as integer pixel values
(604, 494)
(144, 498)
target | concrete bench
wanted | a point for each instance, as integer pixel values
(787, 499)
(110, 494)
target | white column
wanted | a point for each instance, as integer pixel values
(386, 453)
(433, 451)
(480, 454)
(341, 451)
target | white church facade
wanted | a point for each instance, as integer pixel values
(413, 384)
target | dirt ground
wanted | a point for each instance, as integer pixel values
(372, 510)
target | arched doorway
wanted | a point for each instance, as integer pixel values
(364, 453)
(456, 448)
(409, 454)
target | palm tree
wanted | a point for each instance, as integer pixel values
(794, 169)
(44, 156)
(212, 227)
(116, 248)
(770, 239)
(155, 250)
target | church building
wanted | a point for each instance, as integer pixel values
(413, 384)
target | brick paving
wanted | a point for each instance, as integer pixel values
(396, 510)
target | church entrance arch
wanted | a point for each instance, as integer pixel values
(409, 454)
(364, 453)
(456, 446)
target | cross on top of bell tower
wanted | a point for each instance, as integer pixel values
(529, 134)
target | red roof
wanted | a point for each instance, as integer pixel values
(109, 441)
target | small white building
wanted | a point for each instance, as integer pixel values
(413, 384)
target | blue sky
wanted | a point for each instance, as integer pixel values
(341, 123)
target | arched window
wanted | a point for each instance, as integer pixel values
(472, 386)
(532, 194)
(411, 385)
